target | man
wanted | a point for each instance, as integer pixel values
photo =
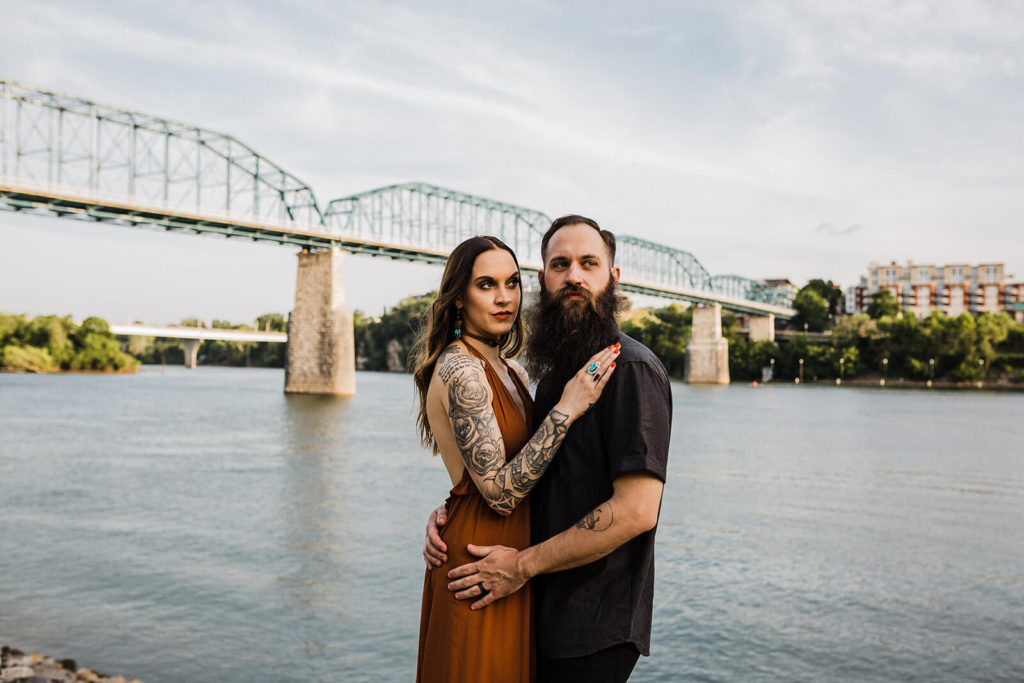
(595, 511)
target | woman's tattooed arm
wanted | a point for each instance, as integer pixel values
(503, 485)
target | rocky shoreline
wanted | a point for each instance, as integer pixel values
(19, 667)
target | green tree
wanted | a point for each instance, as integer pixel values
(272, 322)
(828, 291)
(664, 331)
(9, 324)
(883, 302)
(26, 359)
(747, 358)
(811, 308)
(97, 349)
(385, 343)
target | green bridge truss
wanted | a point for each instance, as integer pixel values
(66, 156)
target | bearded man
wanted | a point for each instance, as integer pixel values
(595, 511)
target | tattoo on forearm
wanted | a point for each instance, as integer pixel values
(479, 440)
(598, 519)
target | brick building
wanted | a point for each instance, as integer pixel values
(952, 289)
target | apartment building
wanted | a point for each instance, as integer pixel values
(953, 288)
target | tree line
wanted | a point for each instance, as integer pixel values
(884, 342)
(50, 343)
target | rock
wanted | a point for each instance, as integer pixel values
(14, 673)
(35, 658)
(88, 675)
(68, 664)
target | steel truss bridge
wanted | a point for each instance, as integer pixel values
(71, 157)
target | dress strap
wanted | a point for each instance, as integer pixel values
(475, 353)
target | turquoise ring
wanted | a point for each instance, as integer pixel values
(593, 368)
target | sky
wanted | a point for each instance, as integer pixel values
(789, 138)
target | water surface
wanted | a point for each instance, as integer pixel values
(203, 526)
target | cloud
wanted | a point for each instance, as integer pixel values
(835, 231)
(901, 116)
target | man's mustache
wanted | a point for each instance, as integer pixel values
(574, 290)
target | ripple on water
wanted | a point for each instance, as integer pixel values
(205, 527)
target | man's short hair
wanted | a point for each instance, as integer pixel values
(573, 219)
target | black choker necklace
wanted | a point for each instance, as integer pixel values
(490, 341)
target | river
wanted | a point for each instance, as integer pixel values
(202, 526)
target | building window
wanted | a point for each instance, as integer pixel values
(890, 276)
(991, 273)
(923, 275)
(956, 274)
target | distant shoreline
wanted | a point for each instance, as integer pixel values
(876, 383)
(58, 371)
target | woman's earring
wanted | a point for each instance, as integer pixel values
(458, 322)
(513, 328)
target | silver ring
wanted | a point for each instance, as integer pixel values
(593, 369)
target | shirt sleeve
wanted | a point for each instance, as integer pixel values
(638, 426)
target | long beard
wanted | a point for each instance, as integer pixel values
(564, 334)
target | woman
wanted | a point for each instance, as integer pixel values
(476, 411)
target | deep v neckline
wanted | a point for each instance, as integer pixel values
(524, 394)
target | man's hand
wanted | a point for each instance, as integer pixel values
(433, 547)
(494, 577)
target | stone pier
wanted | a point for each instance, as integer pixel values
(191, 352)
(707, 352)
(321, 347)
(762, 328)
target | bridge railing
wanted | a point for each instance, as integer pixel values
(61, 142)
(422, 215)
(738, 287)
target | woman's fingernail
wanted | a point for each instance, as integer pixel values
(613, 364)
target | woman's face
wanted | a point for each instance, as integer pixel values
(490, 303)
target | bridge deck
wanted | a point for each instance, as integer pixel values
(204, 333)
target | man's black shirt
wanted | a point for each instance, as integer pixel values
(580, 611)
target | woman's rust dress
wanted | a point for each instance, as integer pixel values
(495, 644)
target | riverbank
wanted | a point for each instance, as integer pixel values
(58, 371)
(16, 665)
(899, 383)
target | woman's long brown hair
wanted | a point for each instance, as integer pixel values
(438, 331)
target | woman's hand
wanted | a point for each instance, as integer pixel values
(583, 390)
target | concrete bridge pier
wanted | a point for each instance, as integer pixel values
(707, 352)
(762, 328)
(191, 352)
(321, 345)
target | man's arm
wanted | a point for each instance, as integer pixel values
(632, 510)
(434, 549)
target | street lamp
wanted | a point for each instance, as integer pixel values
(801, 371)
(771, 361)
(842, 368)
(885, 370)
(981, 371)
(931, 371)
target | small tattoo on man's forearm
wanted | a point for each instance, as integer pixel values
(598, 519)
